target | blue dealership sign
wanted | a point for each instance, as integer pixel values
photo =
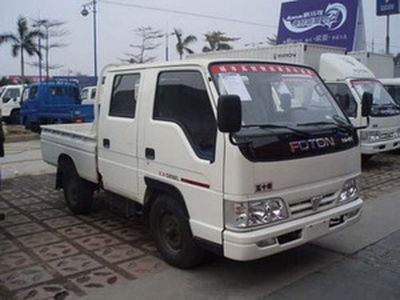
(387, 7)
(327, 22)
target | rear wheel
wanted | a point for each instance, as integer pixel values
(171, 231)
(78, 192)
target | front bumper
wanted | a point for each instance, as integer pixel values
(378, 147)
(244, 246)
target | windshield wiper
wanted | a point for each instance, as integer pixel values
(340, 125)
(275, 126)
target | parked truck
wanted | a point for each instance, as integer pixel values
(382, 65)
(53, 102)
(10, 102)
(88, 95)
(244, 158)
(348, 79)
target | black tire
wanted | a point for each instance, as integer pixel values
(171, 231)
(365, 158)
(78, 192)
(15, 117)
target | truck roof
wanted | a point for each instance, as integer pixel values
(392, 81)
(199, 62)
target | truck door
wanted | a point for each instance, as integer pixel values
(181, 146)
(117, 144)
(11, 99)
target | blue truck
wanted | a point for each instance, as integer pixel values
(54, 102)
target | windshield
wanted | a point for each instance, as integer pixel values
(277, 94)
(394, 91)
(25, 94)
(381, 96)
(383, 103)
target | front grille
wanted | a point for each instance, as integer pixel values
(387, 136)
(306, 206)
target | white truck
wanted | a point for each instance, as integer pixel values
(88, 95)
(348, 80)
(392, 85)
(382, 65)
(245, 158)
(10, 101)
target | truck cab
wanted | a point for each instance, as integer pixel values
(10, 100)
(244, 158)
(88, 94)
(349, 81)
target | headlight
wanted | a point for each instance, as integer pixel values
(350, 191)
(370, 136)
(254, 213)
(397, 132)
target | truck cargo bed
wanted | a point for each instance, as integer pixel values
(77, 141)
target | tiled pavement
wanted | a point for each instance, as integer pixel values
(47, 253)
(380, 175)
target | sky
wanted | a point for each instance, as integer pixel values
(116, 24)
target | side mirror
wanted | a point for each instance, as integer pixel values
(366, 104)
(366, 107)
(229, 113)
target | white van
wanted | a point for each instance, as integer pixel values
(10, 101)
(88, 95)
(245, 158)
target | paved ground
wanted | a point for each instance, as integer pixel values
(43, 245)
(373, 273)
(23, 158)
(18, 133)
(45, 252)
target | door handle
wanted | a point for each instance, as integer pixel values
(106, 143)
(150, 153)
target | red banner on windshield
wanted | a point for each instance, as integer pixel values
(367, 81)
(261, 68)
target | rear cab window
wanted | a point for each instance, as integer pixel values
(124, 95)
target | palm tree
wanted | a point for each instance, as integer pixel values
(217, 41)
(22, 41)
(182, 44)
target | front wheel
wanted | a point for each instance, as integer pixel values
(171, 231)
(78, 192)
(15, 117)
(365, 158)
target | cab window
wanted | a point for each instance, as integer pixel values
(344, 97)
(93, 94)
(182, 98)
(11, 94)
(84, 94)
(124, 94)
